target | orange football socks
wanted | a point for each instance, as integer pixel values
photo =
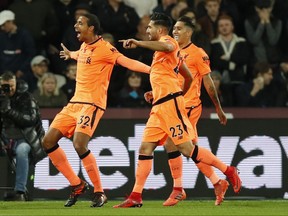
(208, 171)
(142, 172)
(176, 166)
(59, 159)
(200, 154)
(89, 163)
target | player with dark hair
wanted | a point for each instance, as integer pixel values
(168, 116)
(198, 63)
(95, 61)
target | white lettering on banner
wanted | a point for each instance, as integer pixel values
(266, 170)
(284, 141)
(118, 157)
(263, 168)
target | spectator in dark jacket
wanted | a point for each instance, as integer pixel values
(22, 129)
(117, 18)
(229, 53)
(39, 17)
(132, 94)
(259, 92)
(17, 46)
(263, 31)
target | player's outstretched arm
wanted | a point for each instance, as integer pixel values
(132, 64)
(65, 53)
(152, 45)
(129, 43)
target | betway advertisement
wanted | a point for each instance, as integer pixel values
(258, 147)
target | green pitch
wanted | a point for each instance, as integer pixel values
(149, 208)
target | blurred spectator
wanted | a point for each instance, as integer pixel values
(4, 4)
(281, 79)
(48, 93)
(64, 10)
(280, 8)
(284, 41)
(198, 37)
(259, 92)
(132, 94)
(208, 22)
(94, 4)
(16, 46)
(117, 18)
(165, 6)
(142, 7)
(40, 66)
(38, 16)
(139, 53)
(69, 87)
(199, 7)
(223, 90)
(192, 3)
(249, 8)
(229, 53)
(109, 38)
(117, 79)
(263, 31)
(228, 7)
(177, 8)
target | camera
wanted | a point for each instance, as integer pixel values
(4, 97)
(4, 89)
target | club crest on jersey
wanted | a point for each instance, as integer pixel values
(88, 60)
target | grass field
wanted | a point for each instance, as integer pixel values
(149, 208)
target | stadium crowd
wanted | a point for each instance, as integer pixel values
(248, 51)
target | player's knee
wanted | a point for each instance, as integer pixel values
(47, 143)
(80, 148)
(185, 149)
(147, 148)
(170, 147)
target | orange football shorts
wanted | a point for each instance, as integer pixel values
(77, 117)
(169, 119)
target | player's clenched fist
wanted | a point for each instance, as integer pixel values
(148, 96)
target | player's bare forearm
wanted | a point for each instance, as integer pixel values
(185, 72)
(133, 65)
(187, 84)
(157, 45)
(211, 90)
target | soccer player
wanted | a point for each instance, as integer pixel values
(198, 63)
(95, 61)
(168, 115)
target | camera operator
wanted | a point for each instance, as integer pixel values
(21, 128)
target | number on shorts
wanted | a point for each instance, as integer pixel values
(84, 120)
(176, 131)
